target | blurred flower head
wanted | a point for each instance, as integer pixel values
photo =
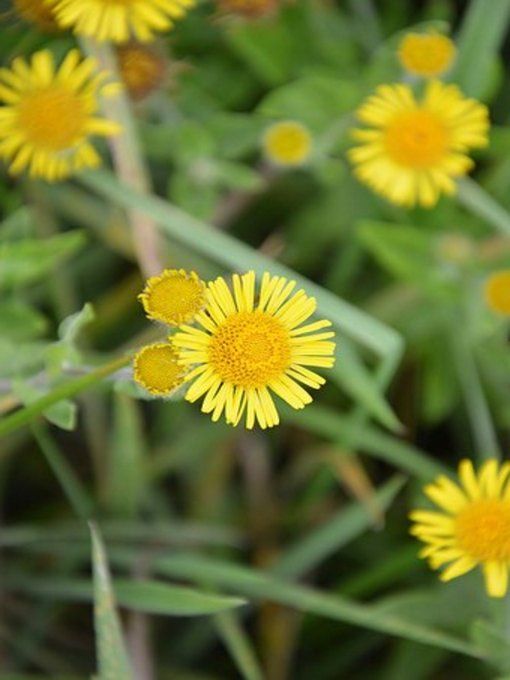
(156, 369)
(413, 150)
(173, 297)
(472, 526)
(288, 143)
(36, 12)
(251, 344)
(49, 115)
(119, 20)
(426, 54)
(497, 292)
(142, 69)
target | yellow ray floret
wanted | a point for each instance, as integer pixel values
(119, 20)
(497, 292)
(174, 297)
(251, 345)
(471, 527)
(287, 143)
(49, 115)
(426, 54)
(156, 369)
(413, 150)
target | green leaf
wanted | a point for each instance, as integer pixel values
(72, 326)
(113, 661)
(62, 414)
(480, 37)
(126, 474)
(20, 321)
(333, 534)
(316, 101)
(154, 597)
(27, 261)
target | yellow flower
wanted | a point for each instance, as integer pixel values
(287, 143)
(142, 69)
(119, 20)
(174, 297)
(49, 115)
(472, 527)
(36, 12)
(413, 150)
(156, 369)
(248, 8)
(252, 344)
(426, 54)
(497, 292)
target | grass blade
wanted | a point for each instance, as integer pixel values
(473, 197)
(238, 645)
(113, 662)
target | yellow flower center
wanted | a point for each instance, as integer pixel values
(288, 143)
(483, 530)
(416, 139)
(157, 370)
(426, 54)
(53, 118)
(250, 349)
(174, 297)
(497, 292)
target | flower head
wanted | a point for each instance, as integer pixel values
(174, 297)
(251, 345)
(288, 143)
(250, 9)
(49, 115)
(36, 12)
(156, 369)
(472, 527)
(141, 68)
(119, 20)
(426, 54)
(413, 150)
(497, 292)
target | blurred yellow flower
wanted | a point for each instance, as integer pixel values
(472, 527)
(247, 8)
(413, 150)
(497, 292)
(426, 54)
(119, 20)
(36, 12)
(252, 344)
(141, 68)
(287, 143)
(173, 297)
(49, 115)
(156, 369)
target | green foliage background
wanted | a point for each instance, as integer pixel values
(282, 554)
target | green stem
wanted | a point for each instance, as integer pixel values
(65, 391)
(480, 203)
(71, 485)
(128, 160)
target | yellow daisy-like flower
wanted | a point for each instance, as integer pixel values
(472, 527)
(426, 54)
(36, 12)
(250, 345)
(142, 69)
(173, 297)
(413, 150)
(49, 115)
(156, 369)
(287, 143)
(119, 20)
(497, 292)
